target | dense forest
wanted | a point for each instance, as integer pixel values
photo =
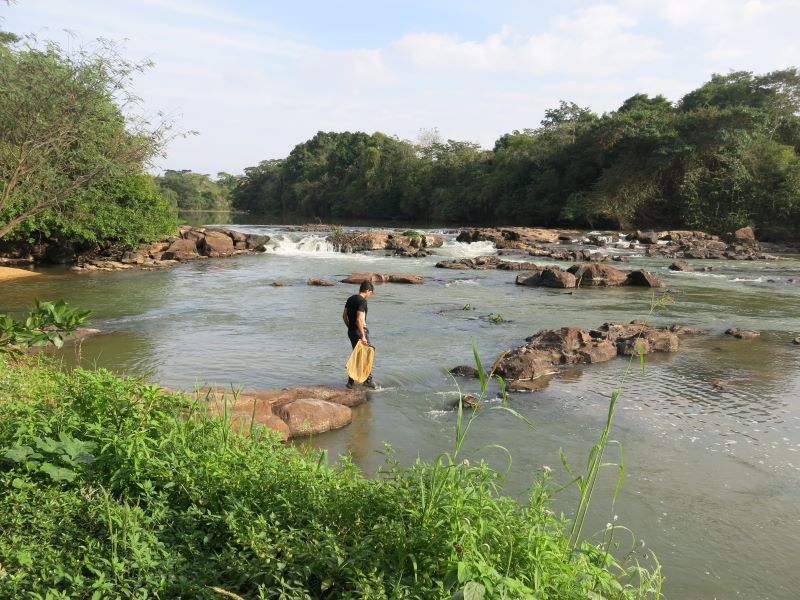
(724, 156)
(188, 190)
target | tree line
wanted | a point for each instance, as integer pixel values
(74, 160)
(726, 155)
(75, 153)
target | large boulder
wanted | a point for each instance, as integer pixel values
(309, 416)
(406, 278)
(549, 350)
(743, 237)
(597, 275)
(549, 277)
(507, 265)
(648, 237)
(257, 242)
(629, 337)
(181, 249)
(359, 241)
(367, 276)
(345, 397)
(643, 278)
(680, 265)
(216, 244)
(479, 263)
(320, 282)
(520, 238)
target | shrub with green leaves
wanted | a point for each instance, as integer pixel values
(48, 323)
(110, 487)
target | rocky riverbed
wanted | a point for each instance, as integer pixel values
(188, 243)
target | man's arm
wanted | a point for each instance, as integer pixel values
(362, 326)
(344, 317)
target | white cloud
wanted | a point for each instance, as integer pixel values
(597, 40)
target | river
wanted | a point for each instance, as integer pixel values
(711, 434)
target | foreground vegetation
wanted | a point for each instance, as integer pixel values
(113, 488)
(724, 156)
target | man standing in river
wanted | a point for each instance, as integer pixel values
(355, 317)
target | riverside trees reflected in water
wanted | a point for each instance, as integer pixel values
(711, 432)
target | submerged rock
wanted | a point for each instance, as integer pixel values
(464, 371)
(320, 282)
(742, 334)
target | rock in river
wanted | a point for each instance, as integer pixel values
(742, 334)
(549, 350)
(550, 277)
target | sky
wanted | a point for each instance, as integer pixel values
(255, 78)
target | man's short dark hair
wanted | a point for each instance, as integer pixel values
(366, 286)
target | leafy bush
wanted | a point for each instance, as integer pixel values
(125, 211)
(48, 323)
(147, 496)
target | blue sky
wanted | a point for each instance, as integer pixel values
(256, 78)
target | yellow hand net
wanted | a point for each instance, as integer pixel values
(359, 365)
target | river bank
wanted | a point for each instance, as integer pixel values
(12, 273)
(140, 488)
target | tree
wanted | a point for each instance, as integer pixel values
(67, 123)
(194, 191)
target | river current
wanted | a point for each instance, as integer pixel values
(711, 434)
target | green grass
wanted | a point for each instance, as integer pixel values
(110, 487)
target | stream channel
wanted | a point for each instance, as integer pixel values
(711, 433)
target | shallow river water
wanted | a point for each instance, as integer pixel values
(711, 434)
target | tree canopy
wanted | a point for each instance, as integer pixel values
(188, 190)
(68, 126)
(724, 156)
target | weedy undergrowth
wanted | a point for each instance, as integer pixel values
(111, 487)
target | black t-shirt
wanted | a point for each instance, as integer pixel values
(354, 304)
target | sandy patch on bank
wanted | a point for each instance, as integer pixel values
(11, 273)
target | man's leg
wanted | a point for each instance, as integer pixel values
(353, 341)
(368, 382)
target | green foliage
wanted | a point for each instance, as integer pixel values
(47, 323)
(147, 496)
(62, 129)
(495, 318)
(726, 155)
(194, 191)
(124, 211)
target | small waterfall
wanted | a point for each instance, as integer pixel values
(308, 245)
(452, 249)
